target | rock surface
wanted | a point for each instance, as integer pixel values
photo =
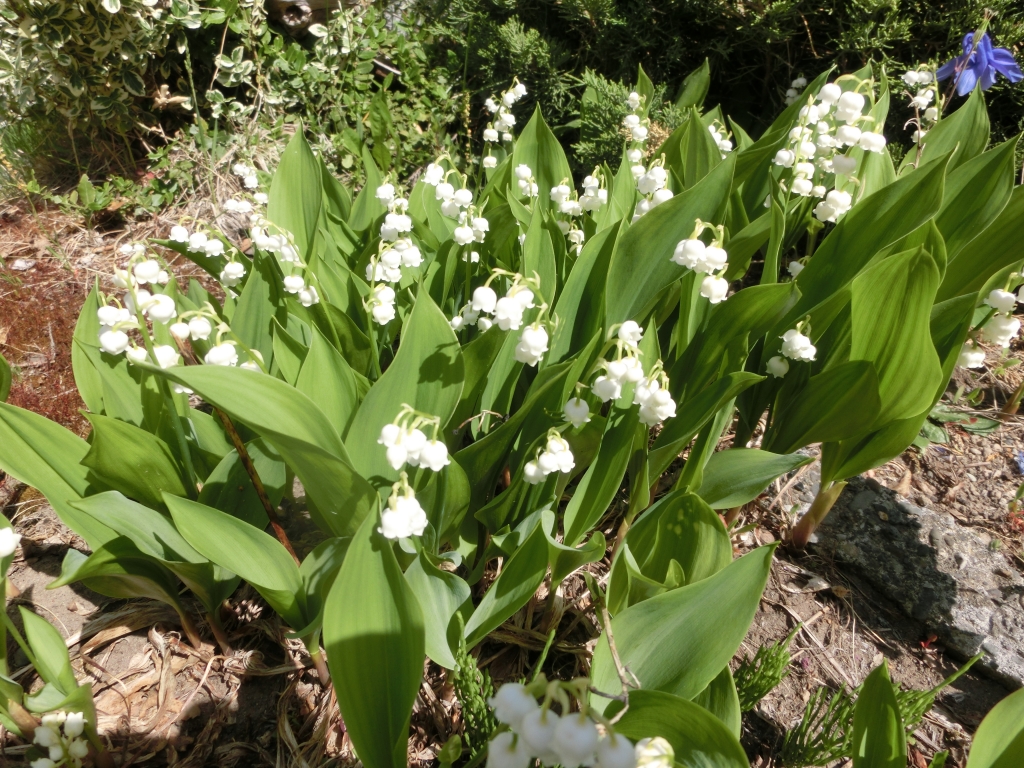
(939, 572)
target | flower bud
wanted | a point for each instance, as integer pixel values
(576, 411)
(575, 740)
(8, 541)
(511, 704)
(222, 354)
(538, 731)
(615, 751)
(715, 289)
(971, 356)
(507, 750)
(796, 346)
(829, 94)
(778, 366)
(1001, 301)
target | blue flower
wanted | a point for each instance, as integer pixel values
(981, 65)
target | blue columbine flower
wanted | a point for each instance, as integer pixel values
(980, 65)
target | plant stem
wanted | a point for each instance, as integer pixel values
(250, 468)
(320, 663)
(819, 509)
(1013, 403)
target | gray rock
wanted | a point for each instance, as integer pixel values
(937, 571)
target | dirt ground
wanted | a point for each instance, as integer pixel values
(162, 702)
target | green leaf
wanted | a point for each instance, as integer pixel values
(565, 559)
(329, 380)
(296, 193)
(641, 265)
(478, 360)
(698, 738)
(374, 634)
(440, 594)
(964, 133)
(297, 429)
(337, 202)
(679, 641)
(976, 193)
(738, 475)
(694, 87)
(829, 407)
(229, 487)
(699, 153)
(999, 740)
(519, 579)
(261, 303)
(48, 457)
(879, 740)
(877, 221)
(539, 256)
(538, 148)
(289, 353)
(367, 207)
(427, 373)
(130, 459)
(890, 311)
(52, 662)
(602, 479)
(255, 556)
(721, 699)
(5, 379)
(993, 249)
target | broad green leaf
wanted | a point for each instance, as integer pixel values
(440, 594)
(879, 220)
(366, 207)
(738, 475)
(230, 489)
(538, 148)
(641, 265)
(699, 152)
(965, 133)
(5, 379)
(478, 358)
(318, 572)
(297, 429)
(337, 199)
(879, 740)
(539, 256)
(519, 579)
(679, 641)
(374, 634)
(975, 194)
(289, 353)
(427, 373)
(48, 457)
(255, 556)
(698, 738)
(296, 193)
(999, 740)
(829, 407)
(87, 377)
(993, 249)
(328, 379)
(261, 302)
(155, 535)
(602, 479)
(565, 559)
(693, 414)
(130, 459)
(52, 662)
(721, 699)
(694, 87)
(581, 301)
(645, 88)
(890, 311)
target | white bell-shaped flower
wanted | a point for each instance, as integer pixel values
(715, 289)
(634, 155)
(109, 315)
(508, 313)
(661, 196)
(971, 356)
(844, 164)
(797, 346)
(434, 456)
(785, 158)
(1001, 301)
(147, 271)
(161, 308)
(224, 353)
(491, 135)
(484, 299)
(633, 100)
(197, 242)
(638, 133)
(533, 343)
(606, 388)
(8, 541)
(200, 328)
(576, 411)
(631, 333)
(294, 283)
(403, 517)
(232, 273)
(444, 191)
(829, 94)
(308, 296)
(507, 750)
(689, 253)
(490, 161)
(778, 366)
(1001, 329)
(538, 731)
(523, 172)
(872, 142)
(512, 703)
(179, 331)
(136, 355)
(463, 235)
(654, 753)
(576, 740)
(178, 234)
(532, 473)
(615, 751)
(385, 193)
(795, 268)
(166, 355)
(114, 342)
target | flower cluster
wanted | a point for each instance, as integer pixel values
(827, 125)
(721, 137)
(795, 346)
(555, 456)
(381, 303)
(403, 516)
(391, 257)
(651, 184)
(571, 739)
(61, 736)
(503, 119)
(246, 174)
(1002, 327)
(793, 92)
(926, 114)
(525, 181)
(406, 443)
(486, 309)
(710, 260)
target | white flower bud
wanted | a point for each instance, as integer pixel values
(444, 191)
(1001, 329)
(633, 100)
(8, 541)
(490, 162)
(654, 753)
(639, 133)
(778, 366)
(630, 332)
(507, 750)
(844, 164)
(511, 704)
(872, 142)
(222, 354)
(575, 740)
(166, 355)
(795, 268)
(802, 187)
(829, 94)
(796, 346)
(715, 289)
(634, 155)
(179, 234)
(308, 296)
(508, 313)
(1001, 301)
(113, 342)
(161, 308)
(606, 388)
(147, 271)
(971, 356)
(403, 517)
(615, 751)
(785, 158)
(179, 331)
(576, 411)
(385, 193)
